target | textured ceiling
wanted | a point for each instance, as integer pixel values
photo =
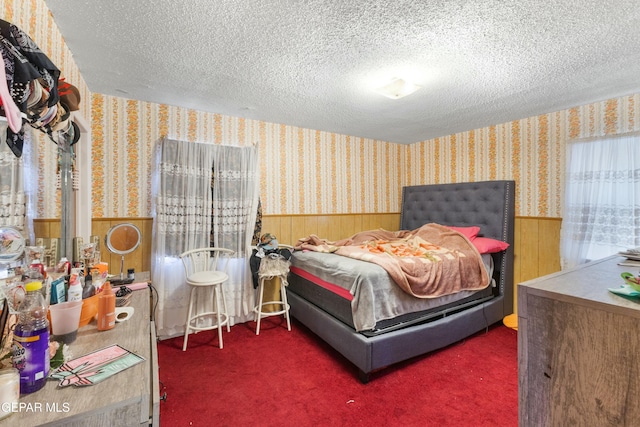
(314, 63)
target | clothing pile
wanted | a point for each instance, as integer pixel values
(32, 92)
(276, 258)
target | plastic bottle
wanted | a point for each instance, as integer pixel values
(88, 290)
(64, 266)
(88, 279)
(36, 271)
(74, 293)
(34, 274)
(30, 351)
(106, 308)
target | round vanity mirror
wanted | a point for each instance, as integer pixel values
(122, 239)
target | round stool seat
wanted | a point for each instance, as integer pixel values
(206, 278)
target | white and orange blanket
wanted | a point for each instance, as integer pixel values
(428, 262)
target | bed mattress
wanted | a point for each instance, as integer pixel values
(363, 295)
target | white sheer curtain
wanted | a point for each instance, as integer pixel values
(602, 198)
(183, 219)
(235, 205)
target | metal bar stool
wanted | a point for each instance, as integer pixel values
(203, 273)
(273, 266)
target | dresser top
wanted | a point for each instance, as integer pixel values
(587, 285)
(55, 405)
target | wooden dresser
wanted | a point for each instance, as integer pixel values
(579, 349)
(129, 398)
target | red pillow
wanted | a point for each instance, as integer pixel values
(470, 232)
(486, 245)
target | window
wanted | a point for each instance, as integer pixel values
(602, 198)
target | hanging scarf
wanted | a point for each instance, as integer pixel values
(25, 64)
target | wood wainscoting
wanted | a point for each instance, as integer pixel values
(536, 252)
(289, 228)
(140, 259)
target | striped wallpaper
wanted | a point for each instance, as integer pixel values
(313, 172)
(34, 18)
(308, 171)
(302, 170)
(530, 151)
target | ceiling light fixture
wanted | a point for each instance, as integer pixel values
(397, 88)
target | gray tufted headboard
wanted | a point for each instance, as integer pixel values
(487, 204)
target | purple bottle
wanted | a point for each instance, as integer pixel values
(30, 351)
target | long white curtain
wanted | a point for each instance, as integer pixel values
(183, 219)
(235, 206)
(602, 199)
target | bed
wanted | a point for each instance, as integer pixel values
(324, 299)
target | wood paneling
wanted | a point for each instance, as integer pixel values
(536, 251)
(46, 228)
(140, 259)
(289, 228)
(549, 246)
(536, 240)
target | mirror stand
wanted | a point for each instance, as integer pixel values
(122, 280)
(122, 239)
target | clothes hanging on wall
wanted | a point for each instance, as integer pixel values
(69, 95)
(11, 110)
(32, 81)
(268, 246)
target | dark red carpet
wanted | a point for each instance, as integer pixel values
(282, 378)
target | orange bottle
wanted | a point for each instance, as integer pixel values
(106, 308)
